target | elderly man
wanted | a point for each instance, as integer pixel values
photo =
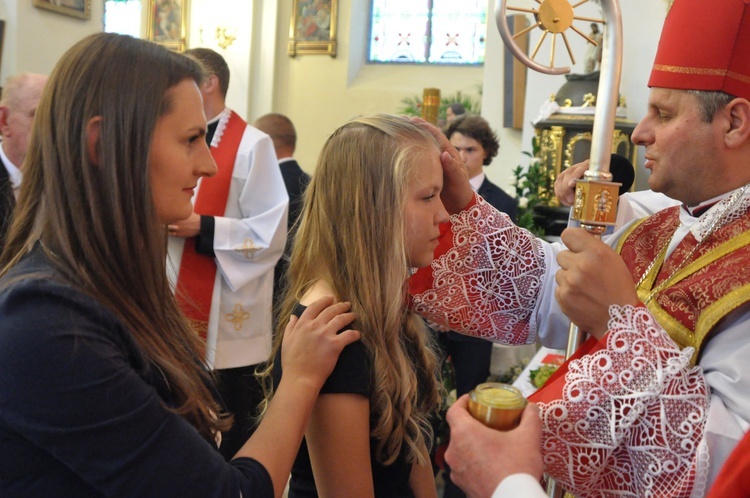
(20, 97)
(656, 400)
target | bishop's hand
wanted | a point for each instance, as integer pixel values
(457, 191)
(591, 278)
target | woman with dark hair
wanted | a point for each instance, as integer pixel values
(104, 389)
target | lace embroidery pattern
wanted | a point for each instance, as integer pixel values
(631, 417)
(726, 211)
(487, 284)
(223, 119)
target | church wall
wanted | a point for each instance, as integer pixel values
(241, 17)
(36, 38)
(320, 93)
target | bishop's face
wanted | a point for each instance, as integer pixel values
(682, 149)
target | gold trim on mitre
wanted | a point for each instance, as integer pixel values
(738, 76)
(701, 71)
(690, 70)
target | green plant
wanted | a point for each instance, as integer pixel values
(412, 106)
(539, 376)
(511, 375)
(530, 183)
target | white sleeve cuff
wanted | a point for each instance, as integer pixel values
(516, 485)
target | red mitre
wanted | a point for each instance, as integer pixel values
(705, 45)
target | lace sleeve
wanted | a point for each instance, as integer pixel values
(485, 279)
(628, 419)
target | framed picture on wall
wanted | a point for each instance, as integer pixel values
(75, 8)
(167, 23)
(313, 27)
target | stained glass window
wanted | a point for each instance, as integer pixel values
(428, 31)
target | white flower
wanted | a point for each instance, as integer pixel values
(534, 161)
(513, 180)
(523, 202)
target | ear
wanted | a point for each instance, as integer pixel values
(211, 84)
(4, 114)
(93, 129)
(738, 130)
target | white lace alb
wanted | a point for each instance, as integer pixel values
(631, 417)
(487, 284)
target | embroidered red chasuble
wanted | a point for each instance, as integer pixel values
(691, 291)
(696, 294)
(195, 281)
(689, 297)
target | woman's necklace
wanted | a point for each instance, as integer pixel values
(720, 217)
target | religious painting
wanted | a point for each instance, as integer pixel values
(75, 8)
(167, 23)
(313, 27)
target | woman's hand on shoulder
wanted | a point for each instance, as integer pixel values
(312, 344)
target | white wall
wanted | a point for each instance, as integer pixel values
(238, 15)
(36, 38)
(320, 93)
(511, 144)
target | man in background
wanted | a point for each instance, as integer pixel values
(222, 257)
(453, 111)
(18, 104)
(281, 130)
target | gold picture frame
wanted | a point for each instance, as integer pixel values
(167, 23)
(75, 8)
(312, 29)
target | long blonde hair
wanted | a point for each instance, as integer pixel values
(352, 236)
(96, 223)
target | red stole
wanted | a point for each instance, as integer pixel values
(197, 275)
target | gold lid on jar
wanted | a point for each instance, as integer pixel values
(497, 405)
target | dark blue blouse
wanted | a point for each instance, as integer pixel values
(81, 410)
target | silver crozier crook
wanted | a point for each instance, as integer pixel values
(596, 197)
